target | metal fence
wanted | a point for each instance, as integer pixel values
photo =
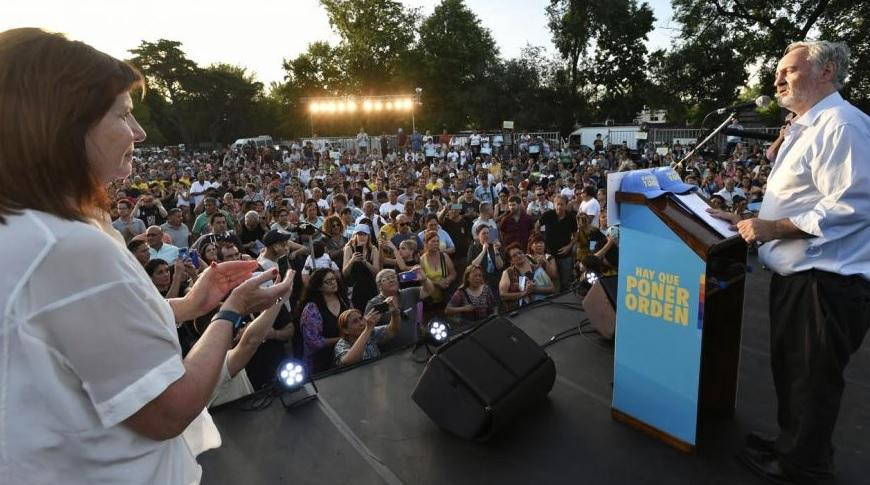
(511, 140)
(690, 136)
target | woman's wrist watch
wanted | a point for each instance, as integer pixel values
(234, 318)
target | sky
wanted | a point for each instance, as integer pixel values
(258, 34)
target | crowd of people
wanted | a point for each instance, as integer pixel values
(461, 237)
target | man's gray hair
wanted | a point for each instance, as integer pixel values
(821, 52)
(252, 215)
(384, 274)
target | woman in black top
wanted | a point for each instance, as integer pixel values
(362, 262)
(322, 303)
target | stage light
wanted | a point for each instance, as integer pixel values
(367, 105)
(314, 107)
(407, 104)
(438, 331)
(379, 105)
(292, 378)
(342, 107)
(291, 375)
(591, 277)
(332, 107)
(351, 106)
(389, 105)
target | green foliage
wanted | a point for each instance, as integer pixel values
(189, 104)
(601, 70)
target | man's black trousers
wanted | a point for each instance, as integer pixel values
(818, 320)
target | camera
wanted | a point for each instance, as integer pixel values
(382, 307)
(306, 229)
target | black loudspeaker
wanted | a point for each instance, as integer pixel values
(600, 306)
(479, 382)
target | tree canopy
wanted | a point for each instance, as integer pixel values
(601, 69)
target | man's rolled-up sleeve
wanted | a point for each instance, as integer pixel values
(841, 173)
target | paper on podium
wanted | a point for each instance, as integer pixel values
(694, 203)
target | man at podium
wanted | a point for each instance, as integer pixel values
(813, 228)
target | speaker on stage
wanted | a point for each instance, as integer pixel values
(481, 381)
(600, 306)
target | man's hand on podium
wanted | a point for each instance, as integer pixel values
(725, 216)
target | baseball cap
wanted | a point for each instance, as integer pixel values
(642, 182)
(364, 228)
(670, 181)
(275, 236)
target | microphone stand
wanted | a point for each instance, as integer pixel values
(705, 140)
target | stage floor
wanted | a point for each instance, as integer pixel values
(366, 429)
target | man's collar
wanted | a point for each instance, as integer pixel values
(809, 118)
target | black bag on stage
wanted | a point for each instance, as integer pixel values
(480, 382)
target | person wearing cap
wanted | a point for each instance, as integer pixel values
(361, 263)
(813, 228)
(276, 245)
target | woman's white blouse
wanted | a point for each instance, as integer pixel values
(86, 341)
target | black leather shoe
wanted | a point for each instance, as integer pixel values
(760, 442)
(767, 466)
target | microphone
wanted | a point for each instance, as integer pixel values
(760, 102)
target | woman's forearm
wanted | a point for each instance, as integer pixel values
(355, 353)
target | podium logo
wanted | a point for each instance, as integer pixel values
(657, 295)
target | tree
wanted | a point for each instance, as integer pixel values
(603, 44)
(759, 31)
(454, 58)
(169, 73)
(375, 37)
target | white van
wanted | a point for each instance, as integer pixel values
(258, 141)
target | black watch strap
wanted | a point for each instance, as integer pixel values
(230, 316)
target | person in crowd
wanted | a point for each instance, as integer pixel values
(445, 241)
(559, 227)
(334, 239)
(437, 267)
(588, 238)
(541, 204)
(485, 219)
(361, 263)
(210, 207)
(126, 224)
(609, 251)
(136, 420)
(157, 248)
(150, 210)
(176, 228)
(537, 253)
(251, 233)
(139, 249)
(409, 302)
(523, 281)
(322, 303)
(474, 300)
(320, 259)
(487, 256)
(403, 231)
(730, 191)
(311, 214)
(589, 204)
(276, 245)
(360, 338)
(170, 284)
(208, 253)
(515, 225)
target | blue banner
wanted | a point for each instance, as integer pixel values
(659, 315)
